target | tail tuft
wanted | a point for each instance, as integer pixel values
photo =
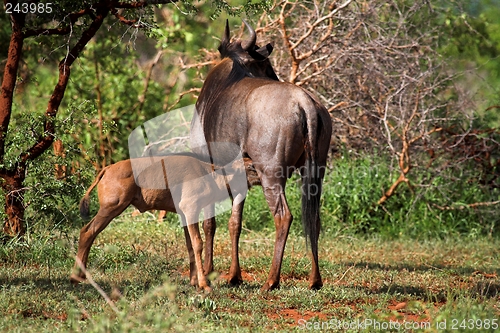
(85, 202)
(311, 194)
(85, 207)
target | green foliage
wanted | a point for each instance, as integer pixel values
(471, 40)
(48, 200)
(108, 76)
(111, 78)
(239, 7)
(51, 201)
(353, 185)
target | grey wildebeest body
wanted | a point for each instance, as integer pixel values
(117, 189)
(280, 127)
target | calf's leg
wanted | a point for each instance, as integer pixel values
(87, 236)
(197, 244)
(193, 276)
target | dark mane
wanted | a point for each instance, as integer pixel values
(252, 63)
(241, 59)
(215, 85)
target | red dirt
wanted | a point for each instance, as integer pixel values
(402, 316)
(397, 306)
(295, 315)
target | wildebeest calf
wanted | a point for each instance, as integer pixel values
(198, 187)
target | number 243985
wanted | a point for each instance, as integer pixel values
(25, 8)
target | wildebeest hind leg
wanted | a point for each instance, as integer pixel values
(209, 227)
(235, 231)
(276, 200)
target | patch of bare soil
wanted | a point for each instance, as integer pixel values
(401, 313)
(293, 315)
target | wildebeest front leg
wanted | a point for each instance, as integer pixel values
(276, 200)
(234, 232)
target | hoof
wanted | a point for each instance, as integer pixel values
(316, 286)
(206, 289)
(194, 282)
(315, 282)
(76, 279)
(235, 280)
(269, 286)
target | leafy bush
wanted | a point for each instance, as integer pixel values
(436, 206)
(51, 200)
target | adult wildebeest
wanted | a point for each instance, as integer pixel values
(280, 127)
(196, 183)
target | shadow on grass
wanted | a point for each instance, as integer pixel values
(473, 283)
(487, 289)
(62, 284)
(482, 289)
(419, 293)
(250, 287)
(419, 268)
(65, 286)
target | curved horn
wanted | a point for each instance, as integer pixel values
(249, 44)
(226, 37)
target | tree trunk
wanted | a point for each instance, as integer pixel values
(14, 203)
(12, 179)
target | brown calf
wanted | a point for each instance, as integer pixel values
(198, 185)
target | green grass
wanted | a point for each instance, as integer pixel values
(142, 264)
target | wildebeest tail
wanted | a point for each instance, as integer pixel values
(85, 202)
(311, 180)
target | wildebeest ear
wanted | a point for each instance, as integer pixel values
(224, 43)
(226, 37)
(269, 48)
(265, 51)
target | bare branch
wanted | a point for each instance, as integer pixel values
(198, 64)
(463, 206)
(317, 22)
(122, 19)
